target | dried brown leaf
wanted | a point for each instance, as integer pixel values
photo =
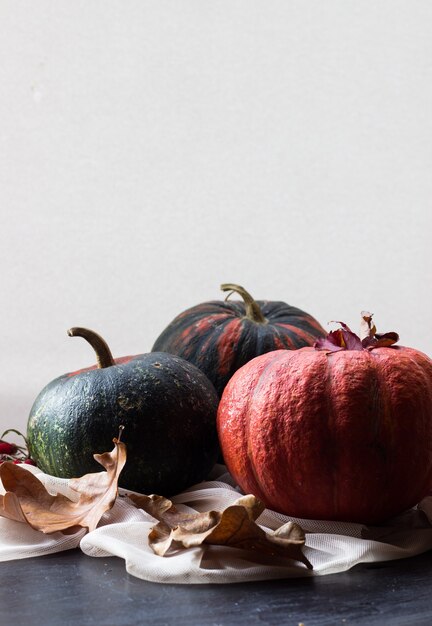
(367, 328)
(27, 500)
(235, 526)
(344, 339)
(385, 340)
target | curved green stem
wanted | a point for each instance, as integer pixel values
(252, 310)
(103, 353)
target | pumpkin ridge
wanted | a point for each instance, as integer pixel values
(248, 340)
(384, 422)
(230, 334)
(243, 464)
(297, 333)
(249, 455)
(188, 342)
(375, 424)
(330, 420)
(206, 349)
(281, 470)
(408, 354)
(280, 313)
(377, 409)
(356, 424)
(264, 339)
(285, 342)
(389, 412)
(281, 355)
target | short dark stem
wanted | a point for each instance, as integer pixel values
(252, 310)
(103, 353)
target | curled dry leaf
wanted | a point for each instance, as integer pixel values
(27, 500)
(383, 340)
(235, 526)
(367, 327)
(344, 339)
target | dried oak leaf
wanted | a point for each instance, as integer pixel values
(235, 526)
(27, 500)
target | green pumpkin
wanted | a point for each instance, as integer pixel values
(166, 405)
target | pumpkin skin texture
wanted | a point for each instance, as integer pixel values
(168, 409)
(339, 436)
(219, 337)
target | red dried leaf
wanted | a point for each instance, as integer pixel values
(344, 326)
(7, 448)
(340, 339)
(331, 343)
(344, 339)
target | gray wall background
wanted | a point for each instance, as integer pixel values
(151, 150)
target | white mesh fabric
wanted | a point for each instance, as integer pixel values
(331, 547)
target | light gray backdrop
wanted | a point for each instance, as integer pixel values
(151, 150)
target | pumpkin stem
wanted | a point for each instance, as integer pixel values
(253, 312)
(103, 353)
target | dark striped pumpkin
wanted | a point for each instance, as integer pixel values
(219, 337)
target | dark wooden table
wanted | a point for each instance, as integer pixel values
(71, 588)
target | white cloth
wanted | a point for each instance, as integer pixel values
(330, 546)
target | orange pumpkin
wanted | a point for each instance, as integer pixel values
(331, 431)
